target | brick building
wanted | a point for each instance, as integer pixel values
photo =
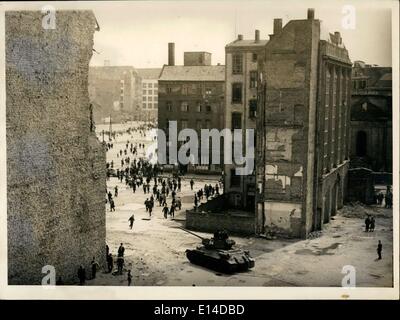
(149, 78)
(241, 74)
(371, 117)
(55, 163)
(192, 95)
(115, 91)
(302, 147)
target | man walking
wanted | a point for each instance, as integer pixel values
(191, 184)
(367, 223)
(379, 250)
(129, 278)
(131, 220)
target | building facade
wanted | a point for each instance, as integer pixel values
(116, 91)
(302, 144)
(149, 78)
(55, 163)
(241, 74)
(371, 117)
(192, 95)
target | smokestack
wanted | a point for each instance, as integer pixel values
(277, 26)
(240, 37)
(171, 54)
(310, 14)
(338, 38)
(257, 36)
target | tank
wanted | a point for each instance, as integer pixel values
(219, 254)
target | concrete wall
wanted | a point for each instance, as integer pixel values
(237, 223)
(55, 164)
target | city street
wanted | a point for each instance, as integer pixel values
(155, 247)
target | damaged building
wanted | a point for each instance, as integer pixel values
(55, 163)
(303, 128)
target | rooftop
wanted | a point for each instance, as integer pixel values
(149, 73)
(247, 43)
(193, 73)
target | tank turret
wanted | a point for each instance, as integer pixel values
(217, 253)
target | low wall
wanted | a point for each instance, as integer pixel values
(233, 222)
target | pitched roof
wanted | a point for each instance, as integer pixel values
(149, 73)
(247, 43)
(193, 73)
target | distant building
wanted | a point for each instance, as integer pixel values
(303, 128)
(116, 91)
(55, 164)
(371, 117)
(192, 95)
(149, 77)
(241, 87)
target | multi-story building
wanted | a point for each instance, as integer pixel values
(241, 74)
(303, 128)
(149, 78)
(192, 95)
(116, 91)
(55, 163)
(371, 117)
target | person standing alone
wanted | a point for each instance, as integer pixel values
(379, 250)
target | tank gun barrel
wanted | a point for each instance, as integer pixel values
(196, 235)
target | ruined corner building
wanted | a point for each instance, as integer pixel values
(55, 163)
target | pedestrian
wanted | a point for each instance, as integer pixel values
(120, 264)
(372, 225)
(110, 263)
(367, 223)
(196, 201)
(379, 250)
(165, 210)
(116, 191)
(112, 205)
(81, 275)
(191, 184)
(129, 278)
(109, 196)
(121, 250)
(95, 266)
(172, 211)
(131, 220)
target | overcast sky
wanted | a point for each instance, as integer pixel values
(136, 33)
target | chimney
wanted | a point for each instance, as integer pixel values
(310, 14)
(277, 26)
(171, 54)
(338, 38)
(240, 37)
(257, 36)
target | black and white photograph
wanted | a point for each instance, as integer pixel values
(247, 145)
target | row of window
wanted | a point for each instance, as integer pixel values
(150, 85)
(150, 92)
(200, 124)
(150, 98)
(150, 105)
(186, 90)
(184, 107)
(237, 62)
(237, 87)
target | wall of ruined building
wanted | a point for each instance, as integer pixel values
(55, 164)
(290, 72)
(210, 222)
